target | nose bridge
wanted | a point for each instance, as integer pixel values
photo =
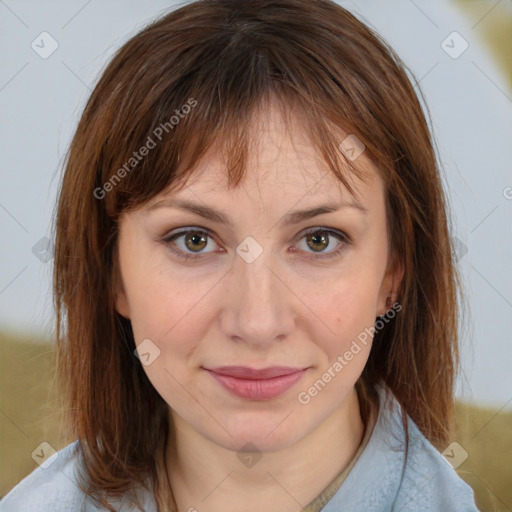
(257, 311)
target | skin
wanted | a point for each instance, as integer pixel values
(288, 307)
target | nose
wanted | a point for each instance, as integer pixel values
(257, 308)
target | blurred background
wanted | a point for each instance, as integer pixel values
(459, 53)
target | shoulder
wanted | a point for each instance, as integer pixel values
(384, 479)
(429, 482)
(53, 486)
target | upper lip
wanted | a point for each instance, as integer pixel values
(245, 372)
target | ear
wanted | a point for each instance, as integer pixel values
(390, 286)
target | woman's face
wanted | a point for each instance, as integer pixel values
(258, 336)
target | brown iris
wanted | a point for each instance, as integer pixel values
(195, 238)
(318, 238)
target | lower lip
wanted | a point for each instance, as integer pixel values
(257, 389)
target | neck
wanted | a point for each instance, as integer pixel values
(207, 477)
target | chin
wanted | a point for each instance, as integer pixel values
(268, 432)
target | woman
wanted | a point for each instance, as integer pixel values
(254, 282)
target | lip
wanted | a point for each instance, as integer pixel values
(254, 384)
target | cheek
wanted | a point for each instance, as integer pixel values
(156, 298)
(344, 307)
(174, 314)
(343, 337)
(170, 309)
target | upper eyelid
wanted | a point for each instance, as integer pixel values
(184, 230)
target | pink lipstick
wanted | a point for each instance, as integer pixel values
(252, 384)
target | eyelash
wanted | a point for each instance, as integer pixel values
(340, 235)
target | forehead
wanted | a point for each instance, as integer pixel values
(282, 161)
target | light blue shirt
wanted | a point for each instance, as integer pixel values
(382, 480)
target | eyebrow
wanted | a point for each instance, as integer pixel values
(293, 217)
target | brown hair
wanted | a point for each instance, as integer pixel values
(228, 57)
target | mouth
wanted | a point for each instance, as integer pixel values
(253, 384)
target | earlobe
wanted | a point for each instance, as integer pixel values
(390, 286)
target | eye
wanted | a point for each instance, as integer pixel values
(191, 243)
(319, 239)
(187, 242)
